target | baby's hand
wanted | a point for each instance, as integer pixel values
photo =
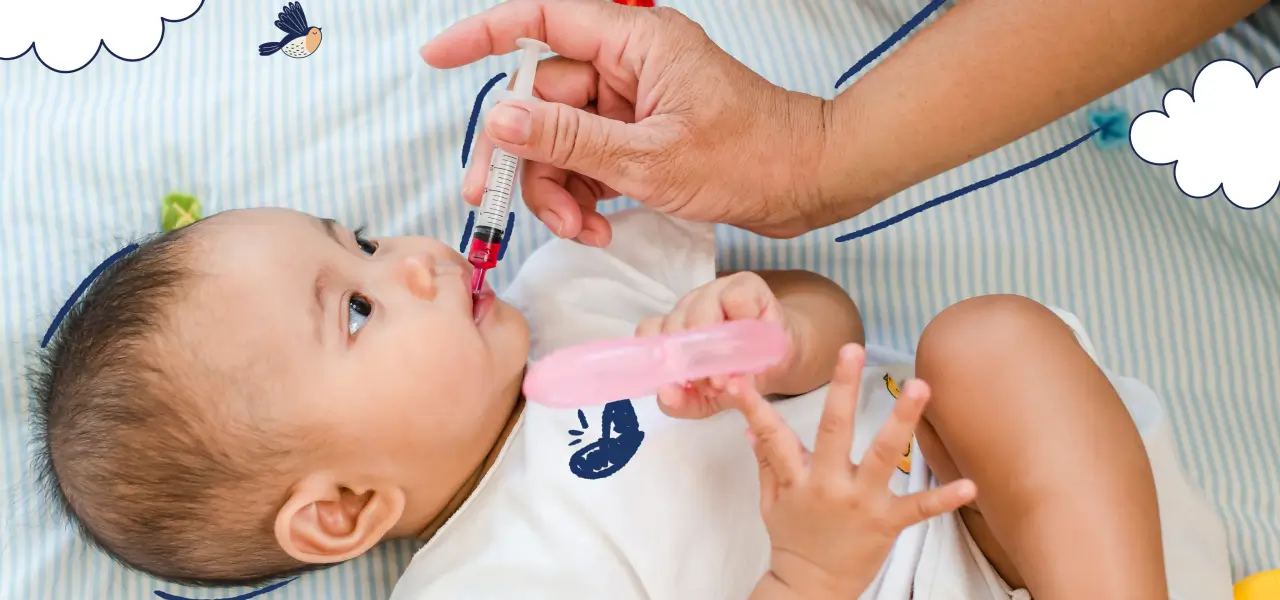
(832, 524)
(743, 295)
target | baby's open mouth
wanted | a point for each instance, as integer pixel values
(482, 303)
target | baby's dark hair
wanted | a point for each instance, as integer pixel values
(144, 471)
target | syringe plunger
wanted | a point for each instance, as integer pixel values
(495, 206)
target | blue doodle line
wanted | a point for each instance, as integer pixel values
(466, 231)
(84, 285)
(967, 189)
(466, 151)
(246, 596)
(506, 235)
(892, 39)
(102, 45)
(475, 116)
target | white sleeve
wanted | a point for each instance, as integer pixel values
(651, 263)
(676, 254)
(648, 247)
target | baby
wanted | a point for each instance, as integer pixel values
(265, 392)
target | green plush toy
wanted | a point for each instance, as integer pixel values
(178, 211)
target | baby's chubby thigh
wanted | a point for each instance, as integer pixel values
(1064, 485)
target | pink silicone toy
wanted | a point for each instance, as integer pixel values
(608, 370)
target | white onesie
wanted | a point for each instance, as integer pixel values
(620, 502)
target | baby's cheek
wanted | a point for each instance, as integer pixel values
(452, 360)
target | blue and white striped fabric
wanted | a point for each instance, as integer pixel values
(1181, 293)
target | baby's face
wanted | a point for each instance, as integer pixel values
(368, 347)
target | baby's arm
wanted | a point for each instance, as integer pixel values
(818, 315)
(822, 317)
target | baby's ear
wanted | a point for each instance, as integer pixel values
(324, 522)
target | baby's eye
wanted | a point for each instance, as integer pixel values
(365, 245)
(359, 310)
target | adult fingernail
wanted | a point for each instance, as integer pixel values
(553, 222)
(510, 123)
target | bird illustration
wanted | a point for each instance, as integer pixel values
(300, 40)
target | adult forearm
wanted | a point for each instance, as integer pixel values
(988, 72)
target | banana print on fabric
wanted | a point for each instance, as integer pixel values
(904, 462)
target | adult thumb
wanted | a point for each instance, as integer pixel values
(603, 149)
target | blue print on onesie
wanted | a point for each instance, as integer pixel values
(618, 441)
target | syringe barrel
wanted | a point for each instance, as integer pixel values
(484, 254)
(500, 185)
(499, 190)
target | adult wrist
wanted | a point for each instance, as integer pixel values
(795, 197)
(851, 175)
(835, 171)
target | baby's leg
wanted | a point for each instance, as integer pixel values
(1066, 502)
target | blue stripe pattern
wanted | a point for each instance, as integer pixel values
(1181, 293)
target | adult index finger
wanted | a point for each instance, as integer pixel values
(577, 29)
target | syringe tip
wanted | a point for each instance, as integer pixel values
(477, 281)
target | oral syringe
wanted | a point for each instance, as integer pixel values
(500, 183)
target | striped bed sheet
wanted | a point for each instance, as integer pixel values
(1181, 293)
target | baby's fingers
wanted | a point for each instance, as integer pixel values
(699, 312)
(835, 430)
(922, 506)
(687, 401)
(649, 327)
(886, 448)
(748, 298)
(768, 482)
(777, 446)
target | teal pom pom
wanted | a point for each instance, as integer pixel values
(1113, 126)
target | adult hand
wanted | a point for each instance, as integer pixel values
(640, 102)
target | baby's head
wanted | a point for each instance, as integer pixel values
(263, 392)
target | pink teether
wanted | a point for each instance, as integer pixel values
(608, 370)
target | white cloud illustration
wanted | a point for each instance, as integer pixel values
(1224, 134)
(64, 35)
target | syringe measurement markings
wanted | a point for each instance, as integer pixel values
(504, 179)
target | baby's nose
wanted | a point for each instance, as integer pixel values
(422, 273)
(417, 271)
